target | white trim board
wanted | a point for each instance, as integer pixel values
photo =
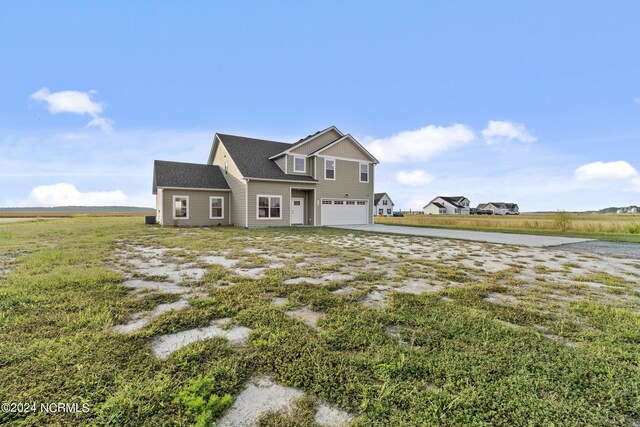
(194, 189)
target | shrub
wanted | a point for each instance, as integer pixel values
(562, 221)
(200, 401)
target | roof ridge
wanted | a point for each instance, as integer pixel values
(249, 137)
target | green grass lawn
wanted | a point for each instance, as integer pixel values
(606, 227)
(420, 360)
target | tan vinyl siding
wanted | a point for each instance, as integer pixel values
(237, 184)
(272, 189)
(159, 205)
(317, 143)
(198, 207)
(346, 149)
(347, 182)
(307, 170)
(280, 161)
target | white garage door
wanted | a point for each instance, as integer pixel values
(344, 212)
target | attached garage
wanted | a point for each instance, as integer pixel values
(344, 212)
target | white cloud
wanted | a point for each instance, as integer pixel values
(603, 172)
(416, 177)
(498, 131)
(420, 144)
(606, 171)
(75, 102)
(416, 203)
(636, 100)
(63, 194)
(103, 123)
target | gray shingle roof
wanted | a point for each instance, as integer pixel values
(455, 201)
(251, 156)
(378, 196)
(187, 175)
(501, 205)
(438, 205)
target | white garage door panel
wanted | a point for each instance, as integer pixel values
(343, 213)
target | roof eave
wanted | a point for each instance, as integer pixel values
(250, 178)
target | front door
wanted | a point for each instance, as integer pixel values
(297, 210)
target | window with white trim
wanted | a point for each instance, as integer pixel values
(327, 202)
(362, 203)
(269, 207)
(216, 207)
(180, 207)
(299, 164)
(364, 172)
(388, 211)
(330, 169)
(384, 202)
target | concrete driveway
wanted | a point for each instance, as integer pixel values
(478, 236)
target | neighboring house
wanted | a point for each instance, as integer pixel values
(383, 204)
(500, 208)
(628, 210)
(324, 179)
(447, 205)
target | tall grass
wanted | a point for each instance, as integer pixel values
(581, 223)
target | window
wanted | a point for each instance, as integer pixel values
(364, 172)
(384, 202)
(362, 203)
(226, 167)
(330, 169)
(326, 202)
(216, 207)
(180, 207)
(338, 202)
(269, 207)
(380, 211)
(388, 211)
(351, 203)
(299, 164)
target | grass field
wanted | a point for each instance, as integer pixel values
(610, 227)
(71, 214)
(420, 332)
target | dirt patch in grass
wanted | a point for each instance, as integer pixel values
(164, 345)
(262, 400)
(306, 315)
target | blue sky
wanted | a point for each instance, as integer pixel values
(532, 102)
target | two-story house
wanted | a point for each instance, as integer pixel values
(447, 205)
(324, 179)
(383, 204)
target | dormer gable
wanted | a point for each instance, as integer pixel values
(312, 142)
(346, 147)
